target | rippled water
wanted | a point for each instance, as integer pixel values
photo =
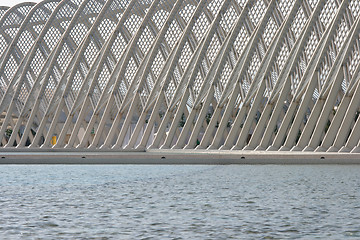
(179, 202)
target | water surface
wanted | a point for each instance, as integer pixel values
(179, 202)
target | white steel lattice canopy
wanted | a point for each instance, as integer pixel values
(278, 75)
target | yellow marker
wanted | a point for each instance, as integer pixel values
(53, 140)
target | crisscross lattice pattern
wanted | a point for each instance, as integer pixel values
(195, 74)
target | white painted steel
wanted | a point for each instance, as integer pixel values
(130, 75)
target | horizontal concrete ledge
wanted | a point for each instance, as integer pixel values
(176, 157)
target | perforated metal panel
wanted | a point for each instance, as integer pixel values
(197, 74)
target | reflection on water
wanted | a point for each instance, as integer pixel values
(179, 202)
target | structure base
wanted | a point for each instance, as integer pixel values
(176, 157)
